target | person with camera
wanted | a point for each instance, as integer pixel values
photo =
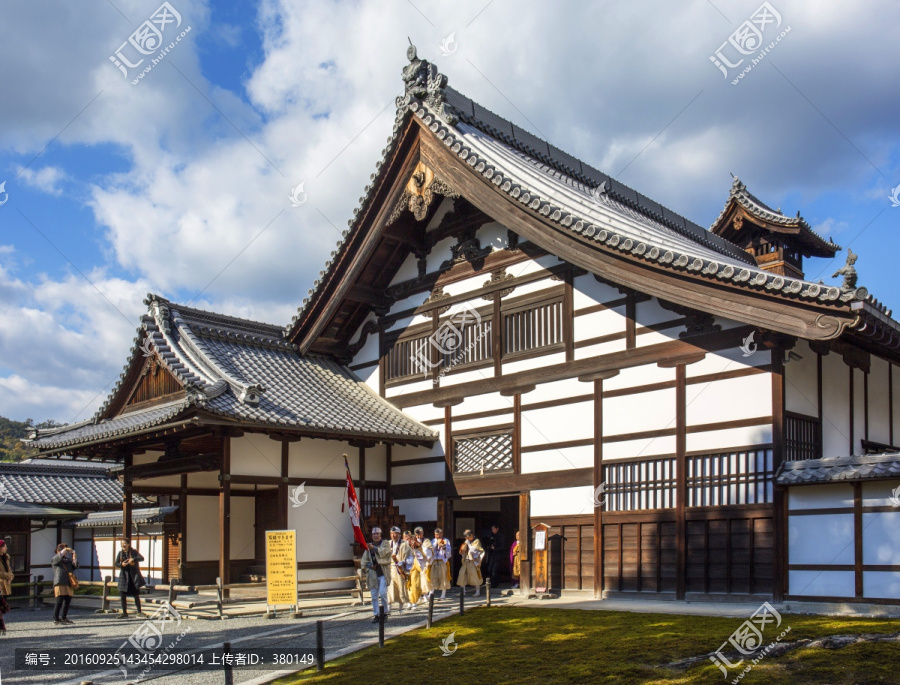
(6, 578)
(64, 583)
(130, 579)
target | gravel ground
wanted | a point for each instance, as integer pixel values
(344, 628)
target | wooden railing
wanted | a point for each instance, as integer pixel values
(639, 485)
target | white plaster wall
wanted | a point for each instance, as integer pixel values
(644, 338)
(534, 363)
(463, 377)
(715, 441)
(203, 528)
(418, 509)
(408, 387)
(557, 390)
(146, 457)
(561, 502)
(650, 312)
(647, 447)
(464, 426)
(822, 583)
(640, 412)
(729, 399)
(881, 584)
(881, 538)
(255, 454)
(417, 473)
(558, 424)
(592, 351)
(836, 406)
(105, 553)
(163, 481)
(879, 410)
(589, 291)
(639, 375)
(801, 382)
(324, 533)
(604, 322)
(424, 412)
(836, 496)
(821, 539)
(315, 458)
(558, 459)
(878, 493)
(859, 410)
(202, 479)
(43, 547)
(376, 462)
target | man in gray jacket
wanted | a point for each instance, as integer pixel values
(376, 563)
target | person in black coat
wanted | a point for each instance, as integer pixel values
(495, 551)
(130, 579)
(64, 563)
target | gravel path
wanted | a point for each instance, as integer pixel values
(344, 628)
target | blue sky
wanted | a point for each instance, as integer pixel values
(179, 184)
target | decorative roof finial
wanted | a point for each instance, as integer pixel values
(848, 271)
(423, 82)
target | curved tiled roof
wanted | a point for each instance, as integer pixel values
(760, 209)
(245, 371)
(568, 192)
(61, 485)
(839, 469)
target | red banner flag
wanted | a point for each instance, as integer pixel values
(353, 503)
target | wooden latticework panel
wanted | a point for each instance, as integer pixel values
(483, 453)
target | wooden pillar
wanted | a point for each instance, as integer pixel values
(820, 452)
(865, 404)
(569, 316)
(126, 497)
(182, 526)
(387, 459)
(680, 480)
(283, 486)
(630, 314)
(858, 539)
(517, 433)
(225, 512)
(779, 503)
(525, 541)
(361, 490)
(448, 436)
(891, 402)
(497, 336)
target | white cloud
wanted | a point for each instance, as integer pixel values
(45, 179)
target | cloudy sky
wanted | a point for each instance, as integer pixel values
(178, 182)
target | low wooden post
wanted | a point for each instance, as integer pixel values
(462, 600)
(219, 596)
(381, 626)
(229, 673)
(488, 590)
(104, 596)
(36, 591)
(320, 646)
(172, 594)
(430, 610)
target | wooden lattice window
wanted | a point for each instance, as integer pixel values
(532, 326)
(407, 358)
(483, 453)
(638, 485)
(728, 478)
(801, 437)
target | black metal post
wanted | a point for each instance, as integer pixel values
(488, 589)
(430, 610)
(381, 626)
(229, 674)
(462, 600)
(320, 646)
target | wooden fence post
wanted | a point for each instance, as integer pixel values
(219, 596)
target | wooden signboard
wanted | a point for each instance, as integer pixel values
(540, 559)
(281, 567)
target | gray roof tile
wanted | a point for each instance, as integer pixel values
(839, 469)
(61, 485)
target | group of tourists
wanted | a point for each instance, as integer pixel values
(408, 568)
(64, 564)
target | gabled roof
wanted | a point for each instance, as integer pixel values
(244, 371)
(839, 469)
(560, 191)
(81, 486)
(113, 519)
(810, 241)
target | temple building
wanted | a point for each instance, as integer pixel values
(506, 334)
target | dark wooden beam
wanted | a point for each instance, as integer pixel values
(680, 480)
(127, 494)
(779, 503)
(283, 486)
(525, 541)
(598, 481)
(225, 513)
